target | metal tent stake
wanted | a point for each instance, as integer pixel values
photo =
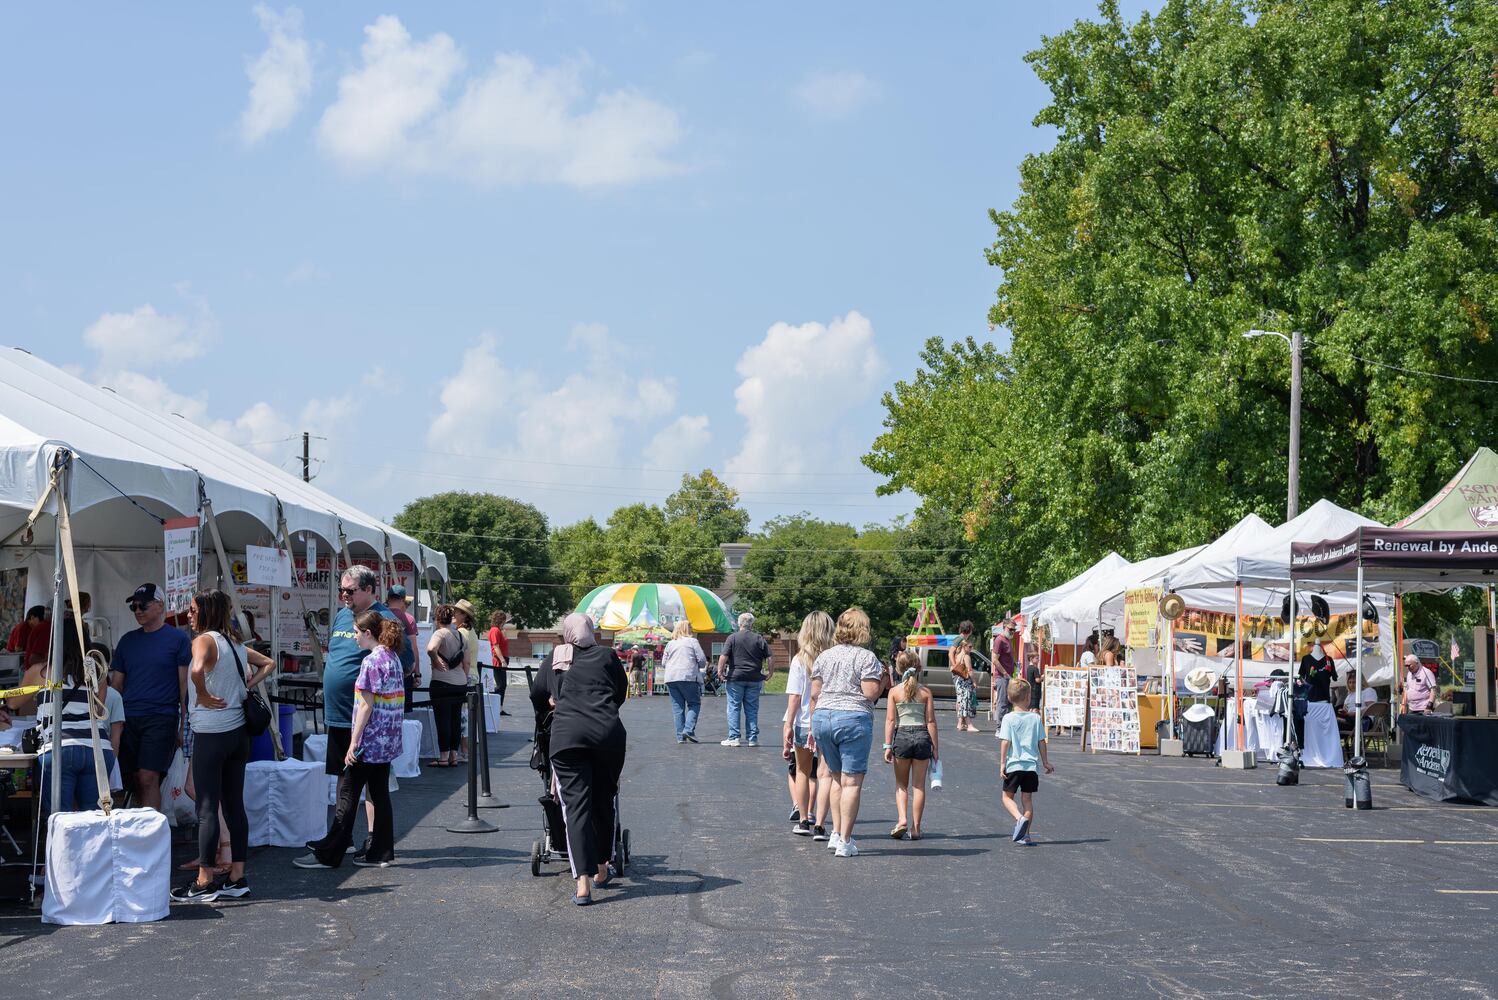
(472, 823)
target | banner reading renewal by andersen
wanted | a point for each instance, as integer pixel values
(1395, 553)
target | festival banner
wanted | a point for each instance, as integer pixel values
(1065, 697)
(1141, 612)
(1214, 633)
(1113, 709)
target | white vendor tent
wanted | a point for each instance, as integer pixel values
(129, 468)
(1264, 558)
(1034, 606)
(1093, 603)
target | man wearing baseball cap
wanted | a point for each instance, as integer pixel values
(149, 669)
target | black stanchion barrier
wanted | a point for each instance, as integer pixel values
(472, 823)
(486, 798)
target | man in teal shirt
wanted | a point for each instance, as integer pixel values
(357, 594)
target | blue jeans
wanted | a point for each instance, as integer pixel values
(745, 695)
(78, 783)
(686, 699)
(843, 739)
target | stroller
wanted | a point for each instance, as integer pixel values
(552, 844)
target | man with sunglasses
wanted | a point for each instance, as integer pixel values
(149, 669)
(357, 594)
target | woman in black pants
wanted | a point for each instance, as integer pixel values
(216, 690)
(583, 685)
(449, 687)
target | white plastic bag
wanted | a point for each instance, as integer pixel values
(935, 775)
(175, 802)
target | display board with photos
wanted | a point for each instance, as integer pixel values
(1065, 697)
(1113, 709)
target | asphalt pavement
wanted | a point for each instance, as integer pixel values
(1150, 878)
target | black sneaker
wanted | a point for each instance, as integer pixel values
(362, 861)
(192, 892)
(802, 829)
(795, 816)
(361, 850)
(691, 737)
(819, 833)
(237, 889)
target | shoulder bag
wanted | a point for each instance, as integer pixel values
(256, 711)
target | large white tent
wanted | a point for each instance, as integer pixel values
(131, 467)
(1094, 601)
(1034, 606)
(1263, 557)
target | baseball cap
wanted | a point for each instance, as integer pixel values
(396, 593)
(145, 593)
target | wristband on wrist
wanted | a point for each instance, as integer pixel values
(889, 746)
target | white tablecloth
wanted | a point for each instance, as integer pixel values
(316, 748)
(287, 801)
(1262, 732)
(491, 713)
(408, 764)
(1323, 744)
(428, 720)
(103, 869)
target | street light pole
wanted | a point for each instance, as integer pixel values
(1293, 506)
(1292, 501)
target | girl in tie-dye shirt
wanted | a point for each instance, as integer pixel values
(379, 693)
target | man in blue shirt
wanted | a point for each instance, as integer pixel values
(149, 669)
(357, 594)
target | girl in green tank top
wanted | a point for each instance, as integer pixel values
(910, 743)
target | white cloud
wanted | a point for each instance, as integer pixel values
(798, 385)
(835, 94)
(679, 442)
(144, 337)
(513, 122)
(280, 77)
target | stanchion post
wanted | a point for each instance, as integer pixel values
(472, 823)
(486, 797)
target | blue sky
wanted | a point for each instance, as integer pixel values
(552, 250)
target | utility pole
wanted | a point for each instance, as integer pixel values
(307, 440)
(1292, 500)
(1293, 506)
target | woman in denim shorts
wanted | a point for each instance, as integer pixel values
(845, 683)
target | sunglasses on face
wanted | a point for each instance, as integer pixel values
(138, 608)
(348, 591)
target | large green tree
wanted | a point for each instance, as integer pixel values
(711, 505)
(1218, 166)
(497, 552)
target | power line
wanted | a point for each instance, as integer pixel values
(681, 548)
(1401, 369)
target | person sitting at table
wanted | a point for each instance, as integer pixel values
(1351, 699)
(1323, 747)
(1419, 693)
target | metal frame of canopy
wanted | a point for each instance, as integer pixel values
(1396, 561)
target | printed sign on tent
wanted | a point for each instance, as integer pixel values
(180, 539)
(1141, 610)
(266, 566)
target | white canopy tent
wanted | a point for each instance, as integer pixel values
(1034, 606)
(130, 468)
(1093, 603)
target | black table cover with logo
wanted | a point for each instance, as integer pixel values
(1450, 759)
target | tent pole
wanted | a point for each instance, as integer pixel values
(1238, 740)
(1290, 666)
(64, 461)
(1357, 719)
(1398, 651)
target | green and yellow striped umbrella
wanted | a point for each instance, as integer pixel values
(618, 606)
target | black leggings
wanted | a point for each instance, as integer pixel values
(374, 781)
(218, 761)
(447, 706)
(587, 782)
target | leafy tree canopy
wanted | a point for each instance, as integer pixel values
(497, 552)
(1219, 166)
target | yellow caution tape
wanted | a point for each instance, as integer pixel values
(22, 692)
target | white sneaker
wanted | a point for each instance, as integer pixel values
(834, 842)
(729, 743)
(847, 849)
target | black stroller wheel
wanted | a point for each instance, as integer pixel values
(535, 858)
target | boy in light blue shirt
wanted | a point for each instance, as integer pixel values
(1022, 744)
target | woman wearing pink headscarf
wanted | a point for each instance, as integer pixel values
(583, 684)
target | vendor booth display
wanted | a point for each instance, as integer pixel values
(615, 607)
(1113, 709)
(1065, 696)
(1449, 759)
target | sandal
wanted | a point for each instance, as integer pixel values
(898, 833)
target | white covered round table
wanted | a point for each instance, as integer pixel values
(315, 748)
(287, 802)
(428, 720)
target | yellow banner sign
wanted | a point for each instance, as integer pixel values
(1141, 611)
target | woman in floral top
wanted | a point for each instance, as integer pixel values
(375, 741)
